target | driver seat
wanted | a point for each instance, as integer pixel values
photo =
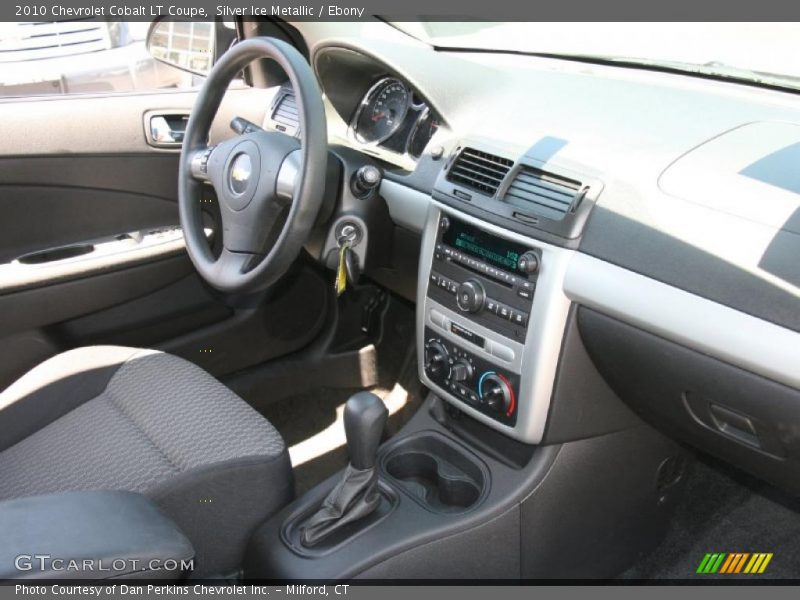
(115, 418)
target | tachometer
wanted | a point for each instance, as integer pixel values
(382, 111)
(426, 126)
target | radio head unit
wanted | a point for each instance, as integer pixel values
(490, 279)
(491, 313)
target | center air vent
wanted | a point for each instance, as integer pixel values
(478, 170)
(284, 113)
(546, 194)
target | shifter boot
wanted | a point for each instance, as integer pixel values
(353, 498)
(356, 495)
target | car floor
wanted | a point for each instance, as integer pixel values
(726, 510)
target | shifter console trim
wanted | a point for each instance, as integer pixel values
(524, 356)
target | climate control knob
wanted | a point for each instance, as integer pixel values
(470, 296)
(435, 358)
(496, 391)
(461, 370)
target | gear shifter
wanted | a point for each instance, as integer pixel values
(364, 420)
(356, 495)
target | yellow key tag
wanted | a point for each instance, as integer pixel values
(341, 272)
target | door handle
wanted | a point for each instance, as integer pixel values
(165, 129)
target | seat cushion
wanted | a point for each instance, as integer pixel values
(148, 422)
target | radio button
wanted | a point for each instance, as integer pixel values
(491, 306)
(437, 318)
(502, 352)
(519, 318)
(504, 312)
(525, 293)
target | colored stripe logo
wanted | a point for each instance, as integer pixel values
(734, 562)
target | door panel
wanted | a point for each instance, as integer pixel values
(77, 172)
(50, 217)
(109, 125)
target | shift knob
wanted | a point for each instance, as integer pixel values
(364, 419)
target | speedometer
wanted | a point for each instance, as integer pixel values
(382, 111)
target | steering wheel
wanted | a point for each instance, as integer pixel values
(269, 185)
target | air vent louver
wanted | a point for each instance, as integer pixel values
(546, 194)
(285, 114)
(478, 170)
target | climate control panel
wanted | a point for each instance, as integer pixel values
(472, 379)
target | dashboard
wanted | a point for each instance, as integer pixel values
(670, 206)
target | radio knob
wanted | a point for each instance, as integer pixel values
(444, 224)
(435, 357)
(461, 370)
(470, 296)
(528, 262)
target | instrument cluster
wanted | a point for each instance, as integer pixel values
(391, 115)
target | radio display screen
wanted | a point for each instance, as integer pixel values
(484, 246)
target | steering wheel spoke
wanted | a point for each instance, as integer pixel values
(232, 265)
(198, 163)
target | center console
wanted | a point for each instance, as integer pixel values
(490, 301)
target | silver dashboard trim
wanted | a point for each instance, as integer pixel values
(539, 355)
(714, 329)
(434, 310)
(407, 207)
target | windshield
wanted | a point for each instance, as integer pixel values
(767, 53)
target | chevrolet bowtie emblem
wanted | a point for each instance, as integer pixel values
(240, 172)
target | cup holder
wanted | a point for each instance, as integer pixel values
(437, 489)
(436, 473)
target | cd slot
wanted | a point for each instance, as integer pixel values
(485, 274)
(454, 256)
